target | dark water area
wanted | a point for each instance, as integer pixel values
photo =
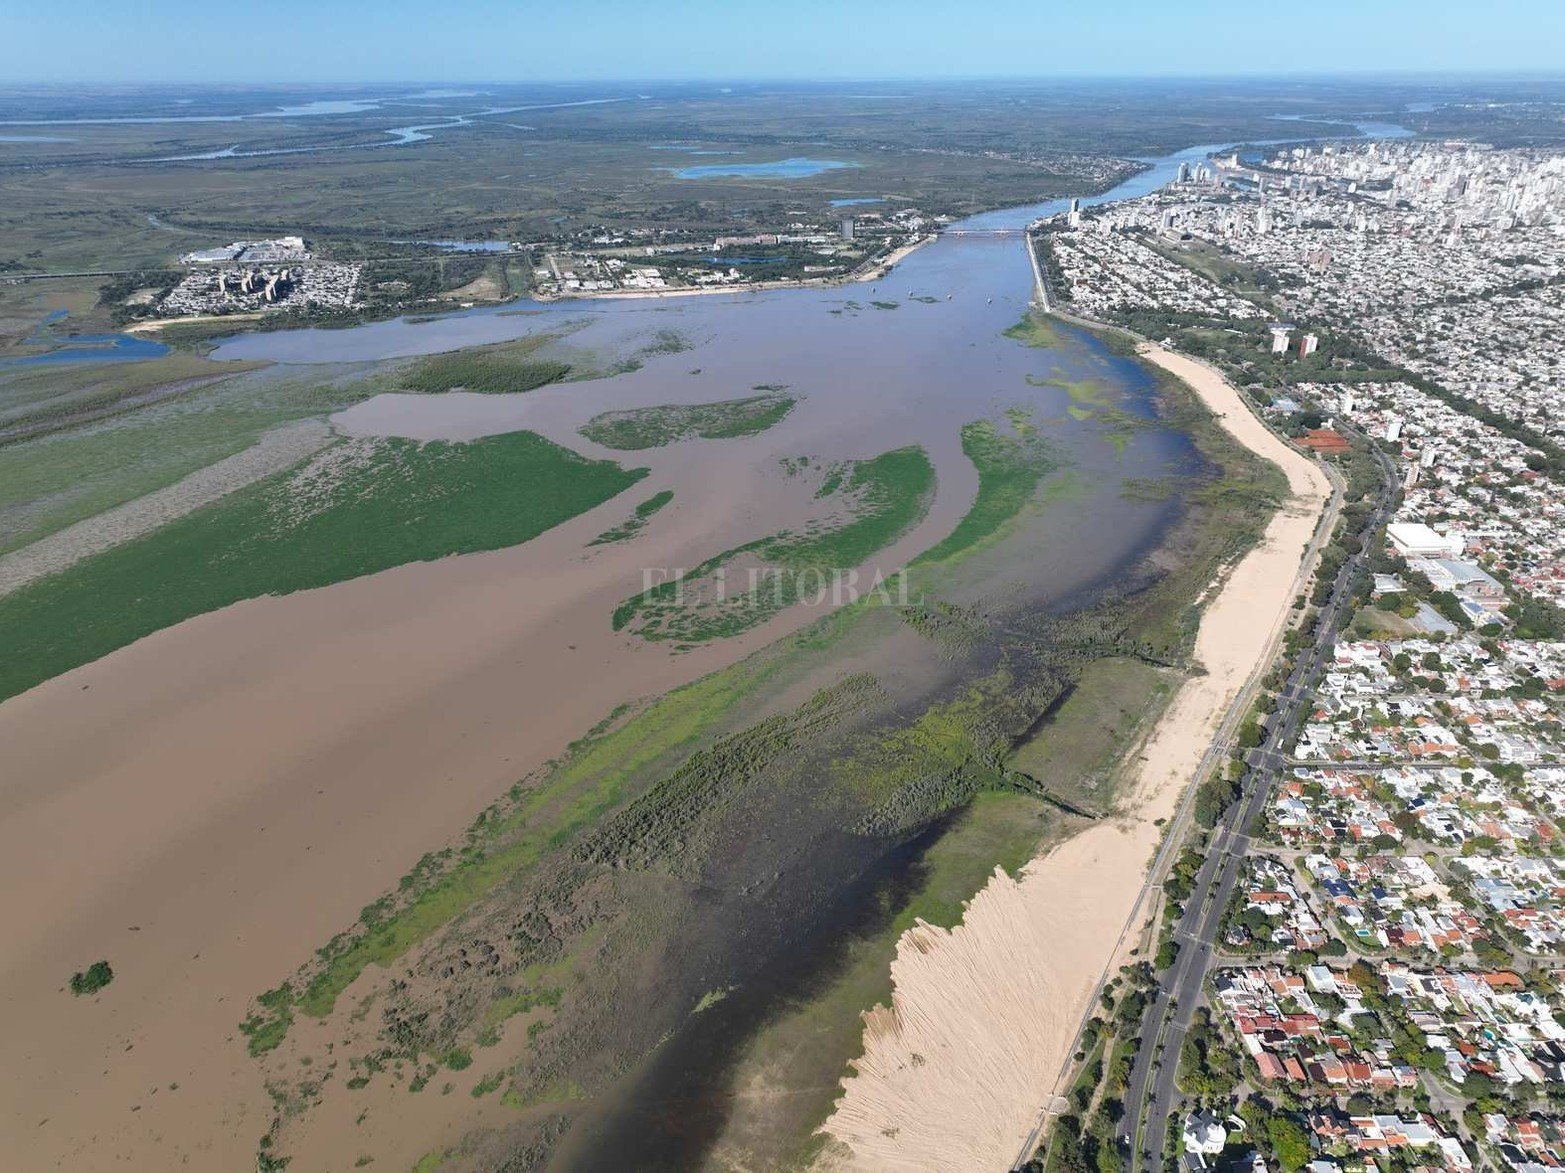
(795, 168)
(94, 348)
(674, 1106)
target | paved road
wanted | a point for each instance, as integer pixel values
(1151, 1095)
(1168, 849)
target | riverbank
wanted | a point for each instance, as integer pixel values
(148, 325)
(984, 1016)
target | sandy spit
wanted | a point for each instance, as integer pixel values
(147, 325)
(982, 1019)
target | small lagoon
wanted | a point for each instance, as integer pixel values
(95, 348)
(84, 347)
(798, 168)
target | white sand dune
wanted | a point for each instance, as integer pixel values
(979, 1031)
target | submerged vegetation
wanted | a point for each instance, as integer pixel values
(653, 427)
(266, 1027)
(883, 498)
(489, 370)
(535, 815)
(636, 522)
(355, 509)
(1010, 467)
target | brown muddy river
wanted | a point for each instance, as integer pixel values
(868, 378)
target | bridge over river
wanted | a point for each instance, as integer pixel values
(983, 232)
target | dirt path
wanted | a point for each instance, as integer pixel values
(983, 1016)
(274, 451)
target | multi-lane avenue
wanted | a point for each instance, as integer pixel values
(1151, 1093)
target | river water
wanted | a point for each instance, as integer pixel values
(980, 285)
(929, 358)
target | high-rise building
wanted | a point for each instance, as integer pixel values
(1280, 338)
(1308, 345)
(847, 228)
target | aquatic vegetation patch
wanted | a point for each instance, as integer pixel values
(1150, 489)
(92, 979)
(504, 368)
(1010, 468)
(1038, 330)
(1120, 427)
(882, 499)
(669, 828)
(390, 502)
(267, 1025)
(636, 522)
(652, 427)
(910, 776)
(1087, 392)
(1073, 752)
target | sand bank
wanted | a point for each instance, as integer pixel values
(983, 1017)
(149, 324)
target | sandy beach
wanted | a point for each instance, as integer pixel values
(957, 1068)
(149, 324)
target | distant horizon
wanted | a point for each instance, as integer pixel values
(293, 42)
(1417, 76)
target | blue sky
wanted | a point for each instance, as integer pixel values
(453, 40)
